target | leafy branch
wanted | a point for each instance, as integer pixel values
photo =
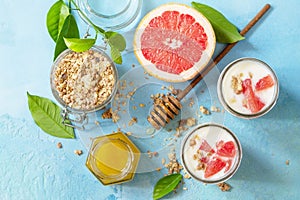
(63, 29)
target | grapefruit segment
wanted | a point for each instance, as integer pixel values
(206, 147)
(174, 42)
(251, 101)
(264, 83)
(213, 167)
(227, 149)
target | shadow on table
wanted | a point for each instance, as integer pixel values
(254, 169)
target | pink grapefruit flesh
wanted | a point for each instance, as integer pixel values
(174, 42)
(264, 83)
(213, 167)
(251, 101)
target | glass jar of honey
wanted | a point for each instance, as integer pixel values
(113, 158)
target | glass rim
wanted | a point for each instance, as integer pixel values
(233, 169)
(233, 111)
(87, 10)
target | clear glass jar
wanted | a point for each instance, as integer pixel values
(82, 83)
(113, 158)
(211, 153)
(111, 14)
(248, 88)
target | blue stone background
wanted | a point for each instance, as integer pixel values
(31, 167)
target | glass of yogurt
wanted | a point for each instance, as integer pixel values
(211, 153)
(248, 88)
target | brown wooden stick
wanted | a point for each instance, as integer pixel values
(205, 71)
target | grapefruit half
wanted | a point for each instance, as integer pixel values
(174, 42)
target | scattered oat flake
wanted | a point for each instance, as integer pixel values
(78, 152)
(59, 145)
(129, 133)
(107, 114)
(132, 121)
(287, 162)
(158, 169)
(224, 187)
(236, 84)
(97, 123)
(142, 105)
(187, 176)
(184, 188)
(215, 109)
(204, 110)
(163, 161)
(190, 121)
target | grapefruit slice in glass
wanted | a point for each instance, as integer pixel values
(174, 42)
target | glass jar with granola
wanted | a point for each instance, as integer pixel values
(83, 82)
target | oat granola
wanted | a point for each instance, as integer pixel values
(84, 80)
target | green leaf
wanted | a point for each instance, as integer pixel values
(79, 45)
(225, 31)
(166, 185)
(116, 55)
(46, 115)
(55, 18)
(116, 40)
(69, 30)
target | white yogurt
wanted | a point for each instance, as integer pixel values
(255, 70)
(212, 133)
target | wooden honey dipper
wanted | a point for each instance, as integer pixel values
(168, 106)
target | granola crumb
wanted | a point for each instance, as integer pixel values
(133, 65)
(232, 100)
(184, 188)
(224, 187)
(158, 169)
(187, 176)
(142, 105)
(107, 114)
(59, 145)
(192, 142)
(190, 121)
(115, 116)
(192, 102)
(132, 121)
(215, 109)
(163, 161)
(287, 162)
(170, 87)
(78, 152)
(97, 122)
(236, 84)
(176, 91)
(250, 74)
(129, 133)
(204, 110)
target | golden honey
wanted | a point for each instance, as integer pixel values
(113, 158)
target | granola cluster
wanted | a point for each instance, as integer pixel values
(84, 80)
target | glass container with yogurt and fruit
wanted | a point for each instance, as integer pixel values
(248, 88)
(211, 153)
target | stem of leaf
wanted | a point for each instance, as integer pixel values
(97, 29)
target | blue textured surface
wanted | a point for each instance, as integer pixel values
(31, 167)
